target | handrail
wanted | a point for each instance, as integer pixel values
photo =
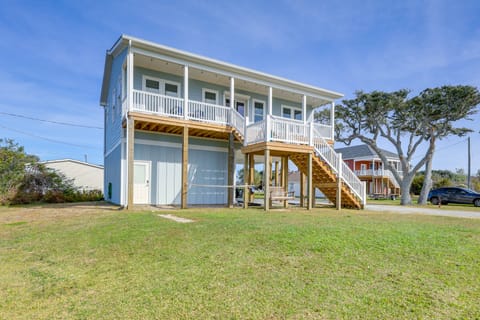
(238, 121)
(328, 154)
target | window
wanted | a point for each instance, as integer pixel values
(160, 86)
(151, 85)
(209, 96)
(258, 111)
(291, 112)
(171, 89)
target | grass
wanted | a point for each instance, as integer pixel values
(240, 264)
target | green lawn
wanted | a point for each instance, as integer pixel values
(240, 264)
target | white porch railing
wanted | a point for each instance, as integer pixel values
(156, 103)
(256, 132)
(289, 131)
(174, 107)
(238, 121)
(379, 173)
(207, 112)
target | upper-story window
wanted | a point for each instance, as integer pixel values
(210, 96)
(291, 112)
(160, 86)
(258, 110)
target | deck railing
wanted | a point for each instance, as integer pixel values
(158, 104)
(255, 132)
(207, 112)
(289, 131)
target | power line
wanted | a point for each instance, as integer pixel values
(44, 138)
(55, 122)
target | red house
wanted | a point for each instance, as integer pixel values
(368, 166)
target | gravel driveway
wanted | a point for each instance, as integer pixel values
(425, 211)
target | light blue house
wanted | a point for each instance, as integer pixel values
(176, 124)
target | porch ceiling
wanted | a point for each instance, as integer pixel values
(222, 80)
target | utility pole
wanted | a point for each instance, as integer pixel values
(469, 165)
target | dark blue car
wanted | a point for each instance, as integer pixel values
(454, 195)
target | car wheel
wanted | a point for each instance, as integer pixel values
(476, 203)
(434, 201)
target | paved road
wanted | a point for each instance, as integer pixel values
(426, 211)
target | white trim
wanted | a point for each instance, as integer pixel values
(179, 145)
(115, 146)
(253, 109)
(204, 90)
(292, 114)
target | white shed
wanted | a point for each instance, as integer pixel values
(86, 176)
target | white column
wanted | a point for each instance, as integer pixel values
(270, 101)
(232, 98)
(130, 76)
(332, 120)
(185, 92)
(268, 119)
(304, 109)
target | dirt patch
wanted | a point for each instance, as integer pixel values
(48, 212)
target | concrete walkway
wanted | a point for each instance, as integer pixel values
(425, 211)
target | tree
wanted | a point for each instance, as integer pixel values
(439, 109)
(13, 160)
(256, 180)
(404, 123)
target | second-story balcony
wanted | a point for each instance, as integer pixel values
(271, 128)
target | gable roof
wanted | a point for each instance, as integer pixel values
(219, 66)
(72, 161)
(363, 151)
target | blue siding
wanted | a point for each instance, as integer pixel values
(207, 165)
(113, 112)
(112, 175)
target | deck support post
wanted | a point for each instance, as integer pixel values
(130, 158)
(285, 177)
(231, 170)
(302, 189)
(251, 175)
(339, 182)
(246, 180)
(184, 168)
(310, 182)
(266, 180)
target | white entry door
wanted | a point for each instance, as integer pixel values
(141, 182)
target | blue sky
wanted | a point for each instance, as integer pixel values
(52, 55)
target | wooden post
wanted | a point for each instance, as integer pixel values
(231, 170)
(276, 173)
(310, 182)
(302, 189)
(285, 178)
(339, 182)
(246, 179)
(251, 175)
(184, 168)
(266, 180)
(130, 159)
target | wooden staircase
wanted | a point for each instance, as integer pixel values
(325, 179)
